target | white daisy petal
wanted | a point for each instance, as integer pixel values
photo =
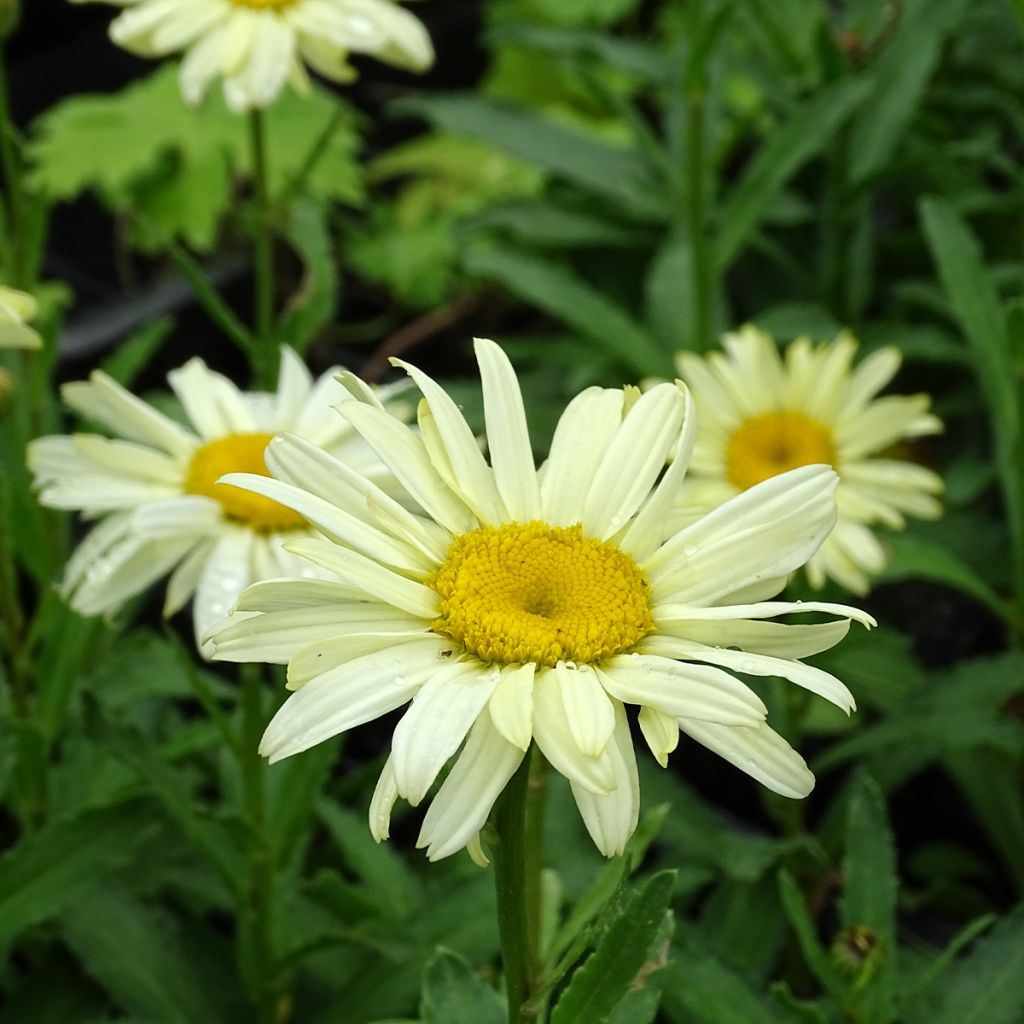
(757, 750)
(584, 432)
(464, 801)
(611, 818)
(385, 794)
(681, 690)
(588, 711)
(437, 722)
(661, 731)
(224, 576)
(354, 693)
(508, 438)
(511, 705)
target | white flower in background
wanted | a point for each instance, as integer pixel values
(760, 416)
(257, 46)
(16, 308)
(519, 606)
(155, 492)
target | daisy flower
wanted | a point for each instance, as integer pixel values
(761, 415)
(155, 494)
(517, 606)
(257, 46)
(15, 309)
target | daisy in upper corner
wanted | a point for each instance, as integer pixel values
(16, 308)
(761, 415)
(155, 493)
(517, 606)
(258, 46)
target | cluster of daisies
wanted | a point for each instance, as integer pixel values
(390, 563)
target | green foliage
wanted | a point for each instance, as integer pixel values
(454, 994)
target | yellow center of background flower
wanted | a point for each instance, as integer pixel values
(239, 453)
(531, 592)
(767, 445)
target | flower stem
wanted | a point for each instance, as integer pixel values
(263, 254)
(11, 166)
(516, 875)
(256, 919)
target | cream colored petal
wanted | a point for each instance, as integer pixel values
(183, 581)
(584, 432)
(176, 517)
(556, 741)
(774, 638)
(339, 525)
(757, 750)
(475, 479)
(670, 614)
(437, 722)
(382, 802)
(200, 66)
(212, 403)
(278, 595)
(611, 819)
(764, 533)
(884, 422)
(508, 437)
(681, 690)
(661, 732)
(816, 680)
(588, 711)
(294, 385)
(226, 574)
(101, 398)
(869, 377)
(633, 461)
(375, 580)
(327, 653)
(356, 692)
(511, 705)
(464, 801)
(404, 454)
(647, 530)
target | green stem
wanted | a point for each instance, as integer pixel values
(703, 288)
(263, 254)
(261, 881)
(513, 864)
(12, 176)
(297, 182)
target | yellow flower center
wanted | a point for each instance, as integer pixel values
(260, 5)
(239, 453)
(770, 444)
(531, 592)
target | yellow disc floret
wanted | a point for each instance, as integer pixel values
(239, 453)
(529, 592)
(775, 442)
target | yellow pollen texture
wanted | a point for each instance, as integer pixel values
(529, 592)
(775, 442)
(239, 453)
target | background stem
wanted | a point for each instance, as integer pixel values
(263, 256)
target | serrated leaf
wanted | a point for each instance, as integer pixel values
(986, 987)
(147, 963)
(43, 872)
(560, 292)
(453, 993)
(792, 143)
(621, 954)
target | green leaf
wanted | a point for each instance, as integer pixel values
(815, 956)
(670, 296)
(47, 869)
(975, 301)
(611, 173)
(870, 884)
(698, 987)
(900, 76)
(150, 966)
(622, 953)
(453, 993)
(914, 557)
(559, 292)
(547, 224)
(986, 987)
(387, 880)
(133, 354)
(791, 145)
(315, 303)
